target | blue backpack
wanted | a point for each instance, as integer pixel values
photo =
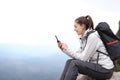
(110, 40)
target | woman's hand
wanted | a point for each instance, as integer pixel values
(62, 46)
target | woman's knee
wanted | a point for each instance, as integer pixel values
(77, 63)
(69, 60)
(74, 62)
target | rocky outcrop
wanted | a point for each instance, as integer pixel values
(118, 32)
(116, 76)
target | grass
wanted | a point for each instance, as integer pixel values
(117, 65)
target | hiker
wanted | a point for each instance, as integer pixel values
(86, 60)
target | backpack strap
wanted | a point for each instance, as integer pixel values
(88, 33)
(96, 50)
(102, 52)
(99, 54)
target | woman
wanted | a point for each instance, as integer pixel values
(87, 60)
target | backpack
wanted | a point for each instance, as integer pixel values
(109, 39)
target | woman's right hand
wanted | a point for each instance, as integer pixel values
(62, 46)
(59, 44)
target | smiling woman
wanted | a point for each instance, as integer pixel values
(28, 27)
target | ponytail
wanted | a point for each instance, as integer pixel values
(90, 22)
(87, 20)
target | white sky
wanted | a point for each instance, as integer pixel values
(35, 22)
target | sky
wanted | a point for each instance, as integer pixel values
(36, 22)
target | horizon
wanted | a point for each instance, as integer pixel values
(27, 34)
(32, 23)
(35, 23)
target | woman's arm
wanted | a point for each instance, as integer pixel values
(89, 50)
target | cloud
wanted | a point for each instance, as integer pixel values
(37, 21)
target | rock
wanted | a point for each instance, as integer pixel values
(83, 77)
(116, 76)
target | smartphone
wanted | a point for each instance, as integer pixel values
(57, 39)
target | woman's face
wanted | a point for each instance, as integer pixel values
(80, 29)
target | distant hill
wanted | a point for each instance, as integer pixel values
(19, 67)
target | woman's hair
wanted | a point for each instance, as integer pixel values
(86, 20)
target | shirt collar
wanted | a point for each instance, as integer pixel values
(85, 34)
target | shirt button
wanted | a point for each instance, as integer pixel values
(81, 47)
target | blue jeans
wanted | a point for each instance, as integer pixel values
(95, 71)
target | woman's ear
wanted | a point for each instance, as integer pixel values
(84, 27)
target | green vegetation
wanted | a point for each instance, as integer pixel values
(117, 62)
(117, 65)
